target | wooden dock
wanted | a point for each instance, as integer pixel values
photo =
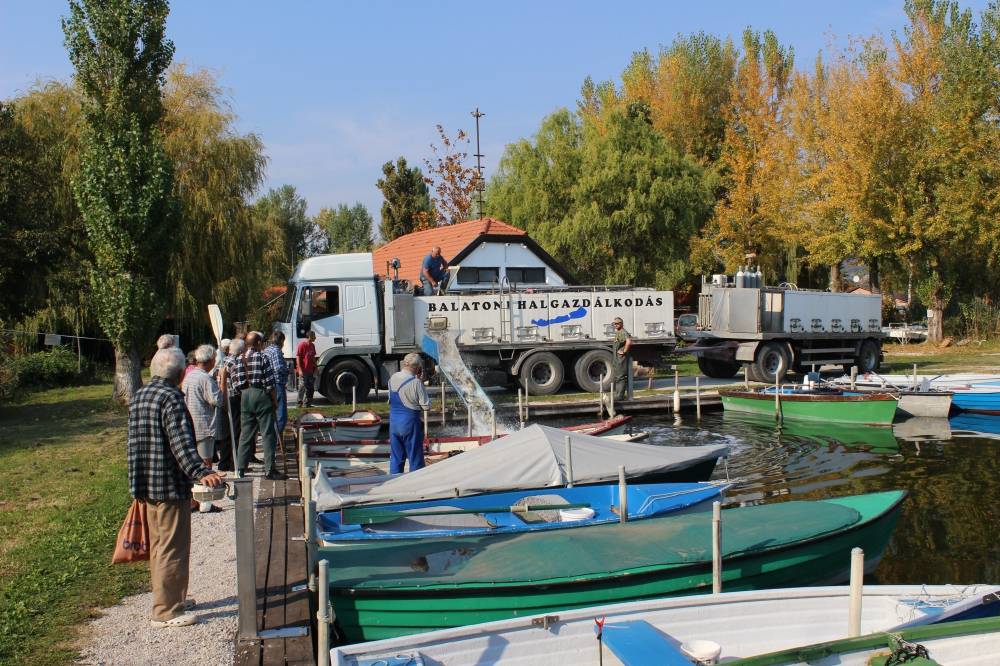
(284, 604)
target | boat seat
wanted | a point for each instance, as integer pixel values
(547, 516)
(455, 521)
(638, 643)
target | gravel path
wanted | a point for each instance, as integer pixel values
(122, 636)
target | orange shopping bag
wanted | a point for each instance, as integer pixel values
(133, 537)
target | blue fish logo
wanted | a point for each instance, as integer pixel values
(579, 313)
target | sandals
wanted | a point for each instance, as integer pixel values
(182, 620)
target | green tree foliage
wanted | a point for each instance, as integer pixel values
(120, 53)
(407, 203)
(349, 228)
(285, 210)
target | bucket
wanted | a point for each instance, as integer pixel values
(702, 652)
(207, 495)
(570, 515)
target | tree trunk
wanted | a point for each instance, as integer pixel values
(128, 379)
(935, 322)
(835, 277)
(874, 283)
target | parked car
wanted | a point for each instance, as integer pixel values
(686, 327)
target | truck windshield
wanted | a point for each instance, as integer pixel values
(287, 304)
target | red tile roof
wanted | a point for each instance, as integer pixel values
(453, 238)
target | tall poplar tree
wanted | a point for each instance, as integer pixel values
(120, 53)
(407, 204)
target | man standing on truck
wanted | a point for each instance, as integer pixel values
(621, 346)
(408, 400)
(434, 272)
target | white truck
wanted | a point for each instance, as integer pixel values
(365, 324)
(772, 330)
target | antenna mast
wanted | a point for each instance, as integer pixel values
(479, 161)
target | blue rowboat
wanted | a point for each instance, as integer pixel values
(511, 512)
(978, 397)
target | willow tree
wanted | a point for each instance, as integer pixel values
(121, 53)
(225, 254)
(750, 218)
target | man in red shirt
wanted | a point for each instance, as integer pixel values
(305, 368)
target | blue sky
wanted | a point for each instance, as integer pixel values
(335, 89)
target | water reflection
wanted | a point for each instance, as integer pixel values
(947, 531)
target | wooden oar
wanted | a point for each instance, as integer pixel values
(372, 516)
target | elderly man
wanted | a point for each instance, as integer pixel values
(162, 461)
(621, 345)
(407, 400)
(204, 399)
(166, 341)
(254, 378)
(231, 402)
(277, 358)
(434, 272)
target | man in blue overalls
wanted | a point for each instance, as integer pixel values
(408, 400)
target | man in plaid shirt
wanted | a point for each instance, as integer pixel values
(254, 378)
(277, 358)
(162, 461)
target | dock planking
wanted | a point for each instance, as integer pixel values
(283, 600)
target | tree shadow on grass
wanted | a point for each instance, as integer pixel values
(37, 423)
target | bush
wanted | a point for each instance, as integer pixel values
(41, 370)
(981, 319)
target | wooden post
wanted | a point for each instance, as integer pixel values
(600, 402)
(354, 398)
(323, 619)
(914, 375)
(857, 580)
(622, 495)
(649, 384)
(716, 548)
(493, 423)
(746, 377)
(854, 377)
(311, 543)
(425, 413)
(442, 404)
(697, 397)
(520, 406)
(777, 400)
(246, 562)
(526, 413)
(611, 400)
(468, 414)
(569, 462)
(677, 391)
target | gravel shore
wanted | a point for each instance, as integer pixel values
(123, 636)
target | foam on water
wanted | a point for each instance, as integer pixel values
(450, 362)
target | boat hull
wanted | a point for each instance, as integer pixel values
(930, 405)
(862, 410)
(378, 609)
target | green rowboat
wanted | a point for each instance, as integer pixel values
(442, 583)
(824, 406)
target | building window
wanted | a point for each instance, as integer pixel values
(474, 275)
(526, 275)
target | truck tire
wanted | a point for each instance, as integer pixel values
(590, 367)
(340, 376)
(542, 374)
(868, 357)
(718, 368)
(771, 363)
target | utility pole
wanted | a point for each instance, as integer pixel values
(479, 162)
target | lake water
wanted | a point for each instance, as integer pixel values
(949, 530)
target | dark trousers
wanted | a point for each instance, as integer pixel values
(307, 389)
(226, 461)
(621, 376)
(256, 414)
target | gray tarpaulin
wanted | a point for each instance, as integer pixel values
(531, 458)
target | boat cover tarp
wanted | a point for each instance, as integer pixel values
(534, 457)
(599, 551)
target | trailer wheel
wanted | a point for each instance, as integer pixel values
(341, 376)
(590, 367)
(542, 374)
(771, 363)
(718, 368)
(868, 357)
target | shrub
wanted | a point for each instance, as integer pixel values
(981, 319)
(41, 370)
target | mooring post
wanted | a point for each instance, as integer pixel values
(526, 413)
(569, 462)
(600, 402)
(323, 616)
(442, 404)
(246, 559)
(305, 485)
(520, 406)
(354, 399)
(697, 397)
(746, 377)
(854, 377)
(611, 400)
(311, 543)
(716, 548)
(777, 400)
(468, 416)
(622, 495)
(426, 414)
(677, 391)
(914, 376)
(493, 422)
(857, 581)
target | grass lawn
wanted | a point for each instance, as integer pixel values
(930, 359)
(63, 496)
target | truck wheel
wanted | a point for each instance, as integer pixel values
(542, 374)
(771, 363)
(718, 368)
(590, 367)
(868, 357)
(341, 376)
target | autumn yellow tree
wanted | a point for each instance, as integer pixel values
(452, 181)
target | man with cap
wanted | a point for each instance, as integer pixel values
(621, 345)
(408, 400)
